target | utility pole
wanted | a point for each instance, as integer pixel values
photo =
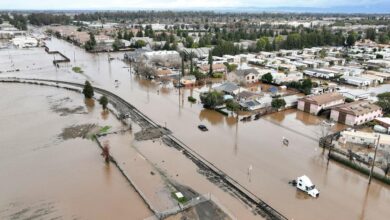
(373, 161)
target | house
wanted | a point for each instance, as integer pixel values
(248, 76)
(289, 77)
(25, 42)
(217, 68)
(355, 113)
(375, 80)
(188, 80)
(315, 103)
(383, 121)
(321, 73)
(229, 88)
(247, 96)
(385, 76)
(251, 105)
(356, 81)
(163, 72)
(169, 56)
(291, 100)
(366, 139)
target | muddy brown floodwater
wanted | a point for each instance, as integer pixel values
(45, 175)
(235, 146)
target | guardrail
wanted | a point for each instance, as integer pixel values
(270, 212)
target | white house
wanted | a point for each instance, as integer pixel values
(25, 42)
(356, 81)
(355, 113)
(366, 139)
(248, 76)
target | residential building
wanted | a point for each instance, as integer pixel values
(355, 113)
(247, 96)
(321, 73)
(229, 88)
(315, 103)
(248, 76)
(356, 81)
(366, 139)
(188, 80)
(217, 68)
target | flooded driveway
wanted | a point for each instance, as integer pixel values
(235, 146)
(45, 175)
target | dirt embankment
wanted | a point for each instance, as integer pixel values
(151, 133)
(79, 131)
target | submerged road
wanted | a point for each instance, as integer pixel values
(260, 206)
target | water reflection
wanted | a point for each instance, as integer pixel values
(211, 116)
(89, 104)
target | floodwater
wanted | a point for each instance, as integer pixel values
(235, 146)
(44, 176)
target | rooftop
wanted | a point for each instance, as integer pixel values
(357, 108)
(323, 98)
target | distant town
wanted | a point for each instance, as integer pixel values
(207, 115)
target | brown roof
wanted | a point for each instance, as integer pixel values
(323, 98)
(357, 108)
(217, 66)
(163, 72)
(246, 95)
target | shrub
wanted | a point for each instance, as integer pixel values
(77, 69)
(191, 99)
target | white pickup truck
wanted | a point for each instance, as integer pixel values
(305, 184)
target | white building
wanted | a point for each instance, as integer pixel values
(366, 139)
(315, 103)
(25, 42)
(355, 113)
(356, 81)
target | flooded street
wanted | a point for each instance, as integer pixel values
(232, 146)
(46, 171)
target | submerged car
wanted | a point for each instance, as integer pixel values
(202, 128)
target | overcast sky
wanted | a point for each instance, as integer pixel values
(180, 4)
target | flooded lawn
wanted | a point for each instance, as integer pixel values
(47, 170)
(234, 147)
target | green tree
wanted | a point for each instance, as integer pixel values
(232, 105)
(88, 90)
(140, 33)
(91, 43)
(383, 39)
(323, 53)
(211, 64)
(351, 39)
(166, 46)
(371, 34)
(139, 44)
(384, 102)
(117, 45)
(267, 78)
(104, 102)
(212, 99)
(263, 44)
(120, 36)
(278, 103)
(306, 86)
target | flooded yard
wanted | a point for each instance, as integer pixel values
(233, 146)
(49, 168)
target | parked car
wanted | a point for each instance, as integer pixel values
(202, 128)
